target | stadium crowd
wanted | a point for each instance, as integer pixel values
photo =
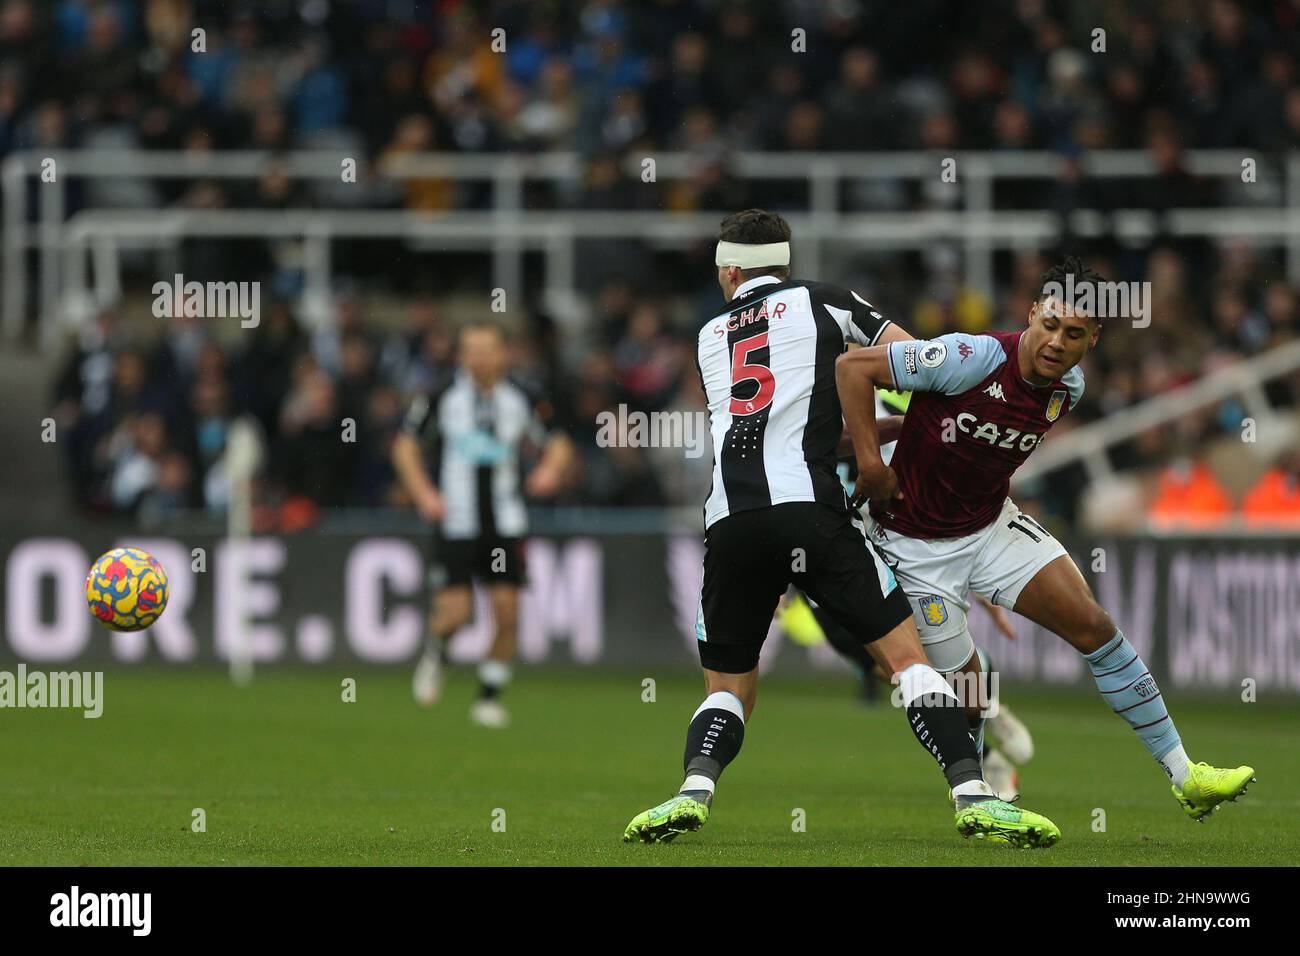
(611, 80)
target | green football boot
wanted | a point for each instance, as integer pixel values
(1207, 787)
(661, 824)
(1000, 822)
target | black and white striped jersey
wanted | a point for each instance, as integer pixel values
(475, 438)
(768, 369)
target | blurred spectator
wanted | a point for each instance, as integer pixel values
(210, 408)
(1273, 502)
(145, 415)
(135, 454)
(415, 135)
(602, 76)
(1189, 497)
(318, 455)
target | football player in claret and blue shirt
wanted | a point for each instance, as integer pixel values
(942, 517)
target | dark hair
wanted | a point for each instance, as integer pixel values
(1069, 266)
(756, 227)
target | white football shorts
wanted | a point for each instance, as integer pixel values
(936, 573)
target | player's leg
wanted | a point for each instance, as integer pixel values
(495, 670)
(499, 564)
(935, 576)
(744, 578)
(854, 651)
(1058, 598)
(1026, 569)
(850, 581)
(1003, 741)
(941, 727)
(1005, 731)
(717, 728)
(452, 608)
(976, 686)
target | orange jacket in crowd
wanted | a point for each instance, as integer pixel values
(1274, 501)
(1190, 497)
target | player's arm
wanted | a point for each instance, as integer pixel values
(894, 332)
(862, 323)
(556, 451)
(857, 373)
(408, 462)
(888, 428)
(547, 476)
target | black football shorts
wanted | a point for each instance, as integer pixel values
(488, 558)
(751, 557)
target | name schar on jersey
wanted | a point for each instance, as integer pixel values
(768, 370)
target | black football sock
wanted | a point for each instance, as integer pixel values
(940, 724)
(712, 741)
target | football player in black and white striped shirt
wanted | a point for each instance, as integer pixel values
(777, 515)
(474, 429)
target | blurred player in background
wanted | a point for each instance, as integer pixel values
(777, 515)
(475, 429)
(942, 517)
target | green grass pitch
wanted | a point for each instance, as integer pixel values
(288, 773)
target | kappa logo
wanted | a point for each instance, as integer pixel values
(995, 389)
(964, 350)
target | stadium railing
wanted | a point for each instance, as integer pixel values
(1272, 218)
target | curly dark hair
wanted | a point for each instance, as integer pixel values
(1067, 267)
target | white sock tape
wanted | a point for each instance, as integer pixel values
(722, 700)
(494, 673)
(919, 680)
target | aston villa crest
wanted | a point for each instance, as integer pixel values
(934, 610)
(1054, 404)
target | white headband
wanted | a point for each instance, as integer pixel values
(752, 256)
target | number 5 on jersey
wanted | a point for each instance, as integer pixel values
(742, 370)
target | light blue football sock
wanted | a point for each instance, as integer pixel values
(1128, 687)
